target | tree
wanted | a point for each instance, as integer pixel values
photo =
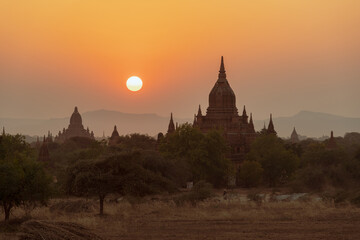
(23, 181)
(203, 153)
(121, 173)
(277, 162)
(250, 174)
(137, 141)
(322, 167)
(175, 169)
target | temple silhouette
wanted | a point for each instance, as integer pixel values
(222, 114)
(75, 129)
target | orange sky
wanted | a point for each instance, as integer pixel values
(281, 56)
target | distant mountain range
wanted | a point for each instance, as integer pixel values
(311, 124)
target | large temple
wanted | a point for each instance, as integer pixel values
(75, 129)
(222, 114)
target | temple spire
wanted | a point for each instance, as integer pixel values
(199, 111)
(194, 123)
(331, 144)
(171, 127)
(244, 116)
(251, 124)
(222, 72)
(115, 132)
(271, 129)
(294, 138)
(244, 111)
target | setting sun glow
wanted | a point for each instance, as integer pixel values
(134, 83)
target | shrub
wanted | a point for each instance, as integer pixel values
(250, 174)
(201, 191)
(255, 197)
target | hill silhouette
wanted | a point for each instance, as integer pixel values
(313, 124)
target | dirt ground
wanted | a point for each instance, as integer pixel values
(155, 219)
(241, 229)
(337, 225)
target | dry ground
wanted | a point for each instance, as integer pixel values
(154, 219)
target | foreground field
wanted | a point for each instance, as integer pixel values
(214, 219)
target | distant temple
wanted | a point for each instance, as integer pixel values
(331, 144)
(294, 138)
(75, 129)
(222, 114)
(115, 137)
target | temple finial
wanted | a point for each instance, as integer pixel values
(222, 72)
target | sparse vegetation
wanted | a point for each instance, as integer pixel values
(211, 218)
(201, 191)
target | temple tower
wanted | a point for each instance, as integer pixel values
(222, 101)
(271, 129)
(171, 127)
(331, 144)
(75, 129)
(115, 137)
(222, 114)
(294, 138)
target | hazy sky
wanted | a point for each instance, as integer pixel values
(281, 56)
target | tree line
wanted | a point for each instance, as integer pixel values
(141, 165)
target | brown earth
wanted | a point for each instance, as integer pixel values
(214, 219)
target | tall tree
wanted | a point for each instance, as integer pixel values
(22, 179)
(277, 162)
(121, 173)
(204, 153)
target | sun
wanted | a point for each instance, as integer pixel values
(134, 83)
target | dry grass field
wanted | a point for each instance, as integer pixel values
(213, 219)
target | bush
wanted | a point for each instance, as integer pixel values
(256, 197)
(278, 162)
(312, 179)
(201, 191)
(250, 174)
